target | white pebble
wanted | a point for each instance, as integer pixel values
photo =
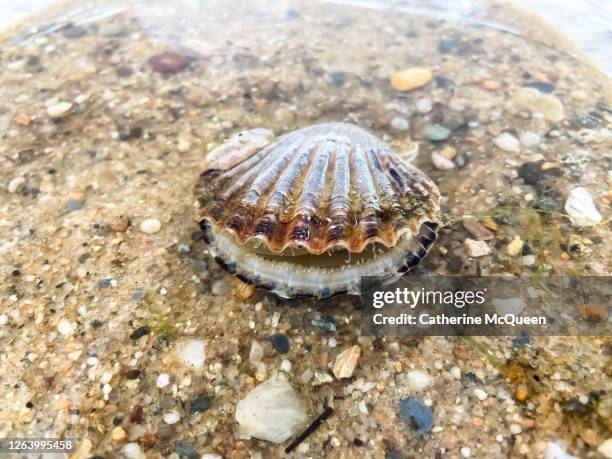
(455, 372)
(183, 145)
(530, 139)
(418, 379)
(363, 408)
(210, 456)
(163, 380)
(59, 109)
(132, 451)
(256, 353)
(507, 142)
(172, 417)
(3, 319)
(606, 448)
(466, 451)
(529, 260)
(476, 248)
(106, 377)
(150, 225)
(480, 394)
(399, 124)
(286, 366)
(191, 352)
(440, 162)
(424, 105)
(65, 327)
(581, 208)
(15, 183)
(555, 451)
(515, 429)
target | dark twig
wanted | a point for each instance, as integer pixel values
(310, 429)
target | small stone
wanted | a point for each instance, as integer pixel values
(529, 260)
(448, 152)
(541, 86)
(521, 393)
(326, 323)
(507, 142)
(3, 319)
(529, 139)
(491, 85)
(579, 246)
(59, 109)
(556, 451)
(440, 162)
(118, 433)
(606, 448)
(436, 133)
(280, 343)
(139, 332)
(346, 362)
(515, 247)
(594, 312)
(536, 101)
(477, 230)
(476, 248)
(418, 379)
(455, 372)
(256, 353)
(22, 119)
(272, 411)
(73, 205)
(489, 223)
(184, 450)
(136, 413)
(172, 417)
(424, 105)
(412, 78)
(65, 327)
(338, 78)
(416, 414)
(150, 225)
(399, 124)
(581, 208)
(73, 31)
(132, 373)
(105, 283)
(132, 451)
(466, 451)
(162, 380)
(168, 63)
(480, 394)
(531, 172)
(15, 184)
(183, 145)
(120, 224)
(191, 352)
(200, 404)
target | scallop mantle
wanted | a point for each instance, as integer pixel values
(319, 188)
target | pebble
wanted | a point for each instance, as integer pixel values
(326, 323)
(191, 352)
(338, 78)
(172, 417)
(15, 184)
(466, 451)
(529, 139)
(536, 101)
(150, 225)
(272, 411)
(132, 451)
(73, 205)
(424, 105)
(436, 133)
(556, 451)
(399, 124)
(163, 380)
(507, 142)
(346, 362)
(140, 332)
(491, 85)
(476, 248)
(280, 343)
(183, 145)
(515, 247)
(73, 31)
(418, 379)
(594, 312)
(455, 372)
(412, 78)
(606, 448)
(118, 433)
(477, 230)
(448, 152)
(581, 208)
(200, 404)
(3, 319)
(415, 413)
(480, 394)
(529, 260)
(440, 162)
(541, 86)
(59, 109)
(256, 353)
(168, 63)
(65, 328)
(120, 224)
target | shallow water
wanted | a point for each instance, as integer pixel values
(100, 301)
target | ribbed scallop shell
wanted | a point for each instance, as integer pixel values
(323, 186)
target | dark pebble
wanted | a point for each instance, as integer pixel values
(540, 86)
(199, 404)
(280, 342)
(96, 323)
(117, 420)
(587, 120)
(573, 405)
(137, 295)
(168, 63)
(132, 373)
(607, 347)
(460, 161)
(531, 173)
(604, 107)
(185, 450)
(326, 323)
(445, 46)
(520, 341)
(442, 82)
(16, 273)
(392, 454)
(104, 283)
(526, 250)
(73, 205)
(338, 78)
(197, 236)
(136, 414)
(73, 31)
(293, 14)
(83, 257)
(418, 415)
(140, 332)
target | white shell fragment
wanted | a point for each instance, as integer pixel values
(346, 362)
(191, 352)
(272, 411)
(581, 208)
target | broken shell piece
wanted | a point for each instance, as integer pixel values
(272, 411)
(346, 362)
(314, 211)
(581, 208)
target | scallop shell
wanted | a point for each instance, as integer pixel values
(316, 191)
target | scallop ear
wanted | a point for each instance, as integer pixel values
(237, 149)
